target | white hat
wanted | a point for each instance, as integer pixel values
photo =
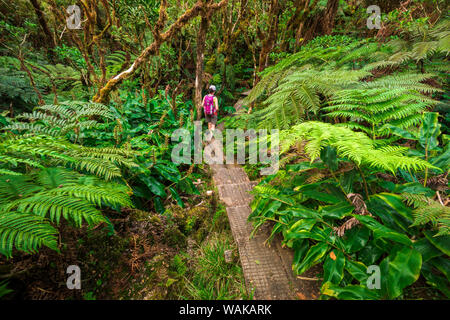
(212, 87)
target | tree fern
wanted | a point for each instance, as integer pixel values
(392, 100)
(355, 146)
(420, 45)
(25, 232)
(38, 150)
(58, 120)
(311, 57)
(301, 93)
(427, 210)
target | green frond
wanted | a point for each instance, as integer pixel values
(108, 194)
(51, 178)
(355, 146)
(25, 232)
(14, 187)
(54, 206)
(57, 120)
(100, 167)
(32, 127)
(9, 172)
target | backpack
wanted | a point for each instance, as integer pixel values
(209, 104)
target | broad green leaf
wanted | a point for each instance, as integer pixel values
(159, 207)
(400, 272)
(412, 187)
(300, 212)
(302, 224)
(171, 174)
(429, 131)
(355, 239)
(396, 203)
(351, 292)
(304, 166)
(154, 185)
(314, 255)
(399, 132)
(443, 160)
(334, 268)
(187, 186)
(358, 270)
(443, 265)
(390, 218)
(337, 211)
(315, 234)
(281, 198)
(441, 242)
(321, 196)
(300, 250)
(370, 253)
(434, 280)
(329, 157)
(381, 231)
(426, 249)
(176, 196)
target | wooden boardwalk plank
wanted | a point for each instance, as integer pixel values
(267, 270)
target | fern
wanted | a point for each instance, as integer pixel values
(420, 45)
(55, 206)
(301, 93)
(392, 100)
(109, 195)
(37, 151)
(428, 210)
(58, 120)
(25, 232)
(355, 146)
(4, 289)
(52, 193)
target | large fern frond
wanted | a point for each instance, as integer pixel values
(355, 146)
(25, 232)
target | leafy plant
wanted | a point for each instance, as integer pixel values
(318, 207)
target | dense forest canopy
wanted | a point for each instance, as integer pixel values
(92, 90)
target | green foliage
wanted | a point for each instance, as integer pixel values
(354, 146)
(27, 201)
(319, 209)
(15, 87)
(392, 100)
(58, 120)
(4, 289)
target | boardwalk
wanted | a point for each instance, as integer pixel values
(267, 270)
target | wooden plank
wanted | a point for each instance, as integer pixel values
(267, 269)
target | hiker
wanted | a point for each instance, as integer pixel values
(210, 107)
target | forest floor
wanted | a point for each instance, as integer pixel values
(177, 255)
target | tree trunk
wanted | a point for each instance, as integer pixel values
(330, 15)
(102, 95)
(43, 23)
(201, 39)
(269, 42)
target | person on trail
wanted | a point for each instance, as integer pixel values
(211, 107)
